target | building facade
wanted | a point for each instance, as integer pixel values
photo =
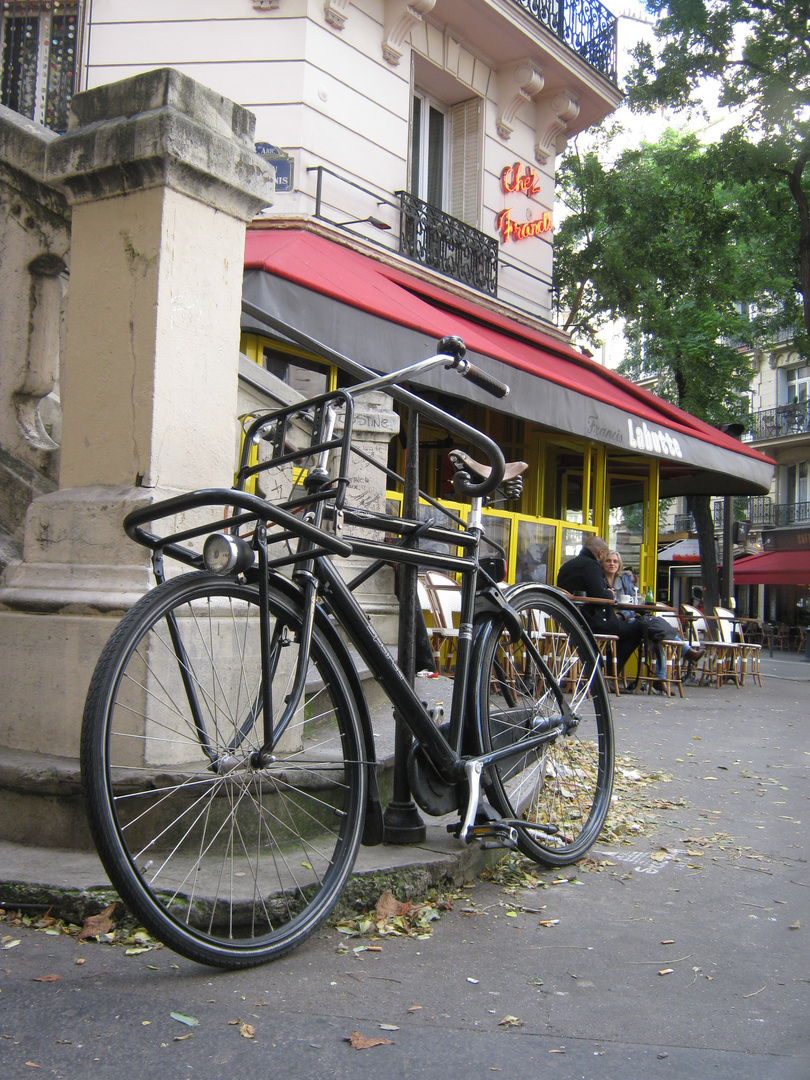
(415, 148)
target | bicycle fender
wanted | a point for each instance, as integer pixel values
(488, 608)
(373, 828)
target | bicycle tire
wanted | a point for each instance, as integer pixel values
(234, 867)
(565, 785)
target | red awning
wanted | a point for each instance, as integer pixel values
(774, 568)
(385, 317)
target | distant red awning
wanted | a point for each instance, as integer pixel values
(384, 317)
(774, 568)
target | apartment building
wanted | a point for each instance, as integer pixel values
(415, 147)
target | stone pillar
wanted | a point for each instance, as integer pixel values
(161, 176)
(34, 241)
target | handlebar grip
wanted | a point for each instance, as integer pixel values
(485, 381)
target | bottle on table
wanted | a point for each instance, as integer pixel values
(648, 596)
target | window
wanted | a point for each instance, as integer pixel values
(428, 151)
(445, 156)
(798, 483)
(798, 384)
(38, 69)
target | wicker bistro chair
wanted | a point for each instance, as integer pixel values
(672, 660)
(444, 599)
(745, 651)
(719, 662)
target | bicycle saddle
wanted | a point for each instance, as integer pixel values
(512, 470)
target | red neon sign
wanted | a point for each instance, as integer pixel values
(511, 179)
(513, 230)
(526, 181)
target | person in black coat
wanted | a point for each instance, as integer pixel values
(584, 574)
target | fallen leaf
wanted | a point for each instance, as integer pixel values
(247, 1031)
(97, 924)
(666, 971)
(33, 1065)
(389, 1027)
(668, 941)
(81, 960)
(189, 1021)
(182, 1038)
(46, 978)
(795, 926)
(11, 945)
(363, 1042)
(414, 1008)
(388, 907)
(510, 1021)
(561, 1050)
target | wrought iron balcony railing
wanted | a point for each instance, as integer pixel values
(435, 239)
(791, 419)
(586, 26)
(38, 61)
(759, 510)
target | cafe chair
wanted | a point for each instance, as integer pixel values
(444, 604)
(745, 651)
(719, 660)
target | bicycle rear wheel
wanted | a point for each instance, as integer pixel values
(225, 863)
(563, 787)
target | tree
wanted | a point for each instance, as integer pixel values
(665, 240)
(756, 53)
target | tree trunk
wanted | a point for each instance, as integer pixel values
(701, 510)
(794, 179)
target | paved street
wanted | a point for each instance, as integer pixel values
(680, 949)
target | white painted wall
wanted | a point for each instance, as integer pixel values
(329, 97)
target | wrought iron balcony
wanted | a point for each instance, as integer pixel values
(791, 419)
(759, 510)
(435, 239)
(38, 64)
(586, 26)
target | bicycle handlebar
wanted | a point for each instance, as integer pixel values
(463, 483)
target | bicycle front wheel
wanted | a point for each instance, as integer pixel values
(561, 789)
(226, 863)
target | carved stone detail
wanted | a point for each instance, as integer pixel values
(554, 113)
(400, 18)
(336, 12)
(517, 84)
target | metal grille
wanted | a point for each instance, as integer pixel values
(760, 510)
(39, 46)
(586, 26)
(791, 419)
(435, 239)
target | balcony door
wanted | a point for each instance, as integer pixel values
(429, 146)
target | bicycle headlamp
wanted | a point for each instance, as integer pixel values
(226, 554)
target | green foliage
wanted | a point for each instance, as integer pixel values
(662, 240)
(755, 52)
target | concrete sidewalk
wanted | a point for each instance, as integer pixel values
(74, 882)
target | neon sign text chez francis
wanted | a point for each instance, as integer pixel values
(525, 181)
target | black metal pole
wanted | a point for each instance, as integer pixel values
(728, 551)
(401, 821)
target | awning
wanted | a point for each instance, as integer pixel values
(383, 317)
(774, 568)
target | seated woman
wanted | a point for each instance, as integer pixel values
(584, 573)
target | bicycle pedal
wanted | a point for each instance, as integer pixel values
(490, 834)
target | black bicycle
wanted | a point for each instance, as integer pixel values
(227, 751)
